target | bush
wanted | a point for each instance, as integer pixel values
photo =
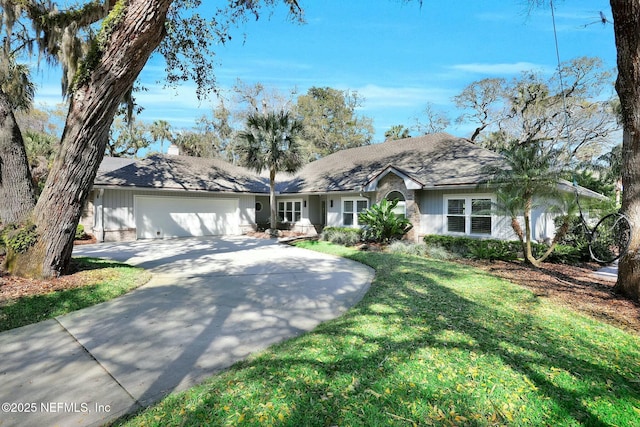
(381, 224)
(420, 249)
(80, 234)
(494, 250)
(577, 239)
(398, 247)
(467, 247)
(564, 254)
(341, 235)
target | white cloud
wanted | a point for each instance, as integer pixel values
(498, 69)
(390, 97)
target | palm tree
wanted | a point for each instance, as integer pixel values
(530, 175)
(271, 141)
(161, 131)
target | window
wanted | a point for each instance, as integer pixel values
(469, 215)
(456, 216)
(401, 208)
(289, 210)
(481, 216)
(350, 210)
(258, 206)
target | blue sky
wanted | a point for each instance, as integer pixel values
(398, 56)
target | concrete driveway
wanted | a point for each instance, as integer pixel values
(210, 303)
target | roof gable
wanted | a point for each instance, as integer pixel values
(409, 182)
(432, 160)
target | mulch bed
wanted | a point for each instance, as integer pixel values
(575, 287)
(17, 287)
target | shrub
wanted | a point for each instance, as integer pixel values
(438, 252)
(575, 238)
(80, 234)
(419, 249)
(467, 247)
(341, 235)
(381, 224)
(493, 250)
(564, 254)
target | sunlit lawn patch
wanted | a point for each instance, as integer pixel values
(432, 343)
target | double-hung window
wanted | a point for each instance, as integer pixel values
(289, 210)
(469, 215)
(350, 210)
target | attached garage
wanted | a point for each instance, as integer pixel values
(158, 217)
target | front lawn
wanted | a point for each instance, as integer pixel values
(432, 343)
(24, 301)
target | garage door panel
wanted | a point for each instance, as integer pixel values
(162, 217)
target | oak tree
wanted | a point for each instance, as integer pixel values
(97, 79)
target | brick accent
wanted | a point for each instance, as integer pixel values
(126, 235)
(392, 182)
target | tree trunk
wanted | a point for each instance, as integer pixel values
(93, 106)
(562, 231)
(528, 249)
(273, 223)
(626, 24)
(17, 195)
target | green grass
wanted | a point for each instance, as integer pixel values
(108, 280)
(432, 343)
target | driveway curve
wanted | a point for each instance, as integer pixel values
(210, 303)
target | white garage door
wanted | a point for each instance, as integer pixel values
(162, 217)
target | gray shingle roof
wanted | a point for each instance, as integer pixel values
(109, 164)
(432, 160)
(184, 173)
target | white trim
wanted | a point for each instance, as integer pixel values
(293, 201)
(409, 182)
(467, 213)
(355, 201)
(402, 204)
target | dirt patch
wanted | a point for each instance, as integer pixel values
(281, 234)
(17, 287)
(576, 287)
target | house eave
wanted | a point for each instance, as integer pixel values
(181, 190)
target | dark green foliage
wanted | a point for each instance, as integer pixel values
(577, 239)
(564, 254)
(467, 247)
(382, 224)
(80, 234)
(494, 250)
(19, 238)
(342, 235)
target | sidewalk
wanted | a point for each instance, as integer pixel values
(609, 272)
